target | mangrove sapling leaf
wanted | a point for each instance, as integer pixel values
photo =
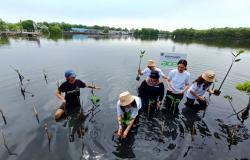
(233, 61)
(233, 54)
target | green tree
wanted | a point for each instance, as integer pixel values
(28, 25)
(14, 27)
(106, 30)
(3, 25)
(55, 30)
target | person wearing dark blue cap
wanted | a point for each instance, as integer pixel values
(71, 88)
(151, 91)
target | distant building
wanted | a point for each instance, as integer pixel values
(86, 31)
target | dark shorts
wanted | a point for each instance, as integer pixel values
(70, 109)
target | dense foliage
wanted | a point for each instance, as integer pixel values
(214, 33)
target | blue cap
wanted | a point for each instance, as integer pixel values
(154, 75)
(70, 73)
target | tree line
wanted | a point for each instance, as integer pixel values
(213, 33)
(56, 28)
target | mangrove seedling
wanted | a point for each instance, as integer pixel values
(162, 132)
(150, 104)
(139, 67)
(4, 119)
(45, 75)
(234, 60)
(49, 135)
(174, 102)
(230, 99)
(7, 148)
(20, 76)
(245, 87)
(36, 114)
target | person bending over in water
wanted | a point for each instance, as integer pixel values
(178, 83)
(128, 107)
(151, 90)
(198, 89)
(71, 88)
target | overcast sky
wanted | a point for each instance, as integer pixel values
(160, 14)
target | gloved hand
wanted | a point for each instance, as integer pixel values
(217, 92)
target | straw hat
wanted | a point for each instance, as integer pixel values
(126, 98)
(151, 63)
(208, 76)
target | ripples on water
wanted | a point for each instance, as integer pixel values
(112, 64)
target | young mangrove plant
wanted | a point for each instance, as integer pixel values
(234, 60)
(230, 99)
(95, 103)
(23, 91)
(4, 119)
(162, 131)
(20, 76)
(139, 67)
(45, 75)
(150, 104)
(49, 135)
(7, 148)
(36, 114)
(174, 102)
(245, 87)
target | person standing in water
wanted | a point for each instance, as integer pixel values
(177, 83)
(151, 67)
(71, 88)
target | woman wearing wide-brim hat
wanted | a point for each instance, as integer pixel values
(151, 67)
(198, 89)
(128, 107)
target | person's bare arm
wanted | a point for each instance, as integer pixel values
(197, 96)
(119, 125)
(60, 96)
(125, 133)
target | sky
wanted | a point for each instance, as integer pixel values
(160, 14)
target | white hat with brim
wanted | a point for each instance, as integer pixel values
(126, 98)
(209, 76)
(151, 63)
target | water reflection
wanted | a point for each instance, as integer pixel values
(234, 134)
(220, 43)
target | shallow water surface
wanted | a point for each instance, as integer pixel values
(112, 65)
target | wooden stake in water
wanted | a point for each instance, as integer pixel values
(36, 114)
(4, 119)
(48, 134)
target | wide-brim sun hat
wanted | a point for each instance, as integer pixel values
(209, 76)
(126, 98)
(151, 63)
(70, 73)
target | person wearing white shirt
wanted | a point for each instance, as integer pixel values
(177, 83)
(151, 67)
(128, 107)
(198, 89)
